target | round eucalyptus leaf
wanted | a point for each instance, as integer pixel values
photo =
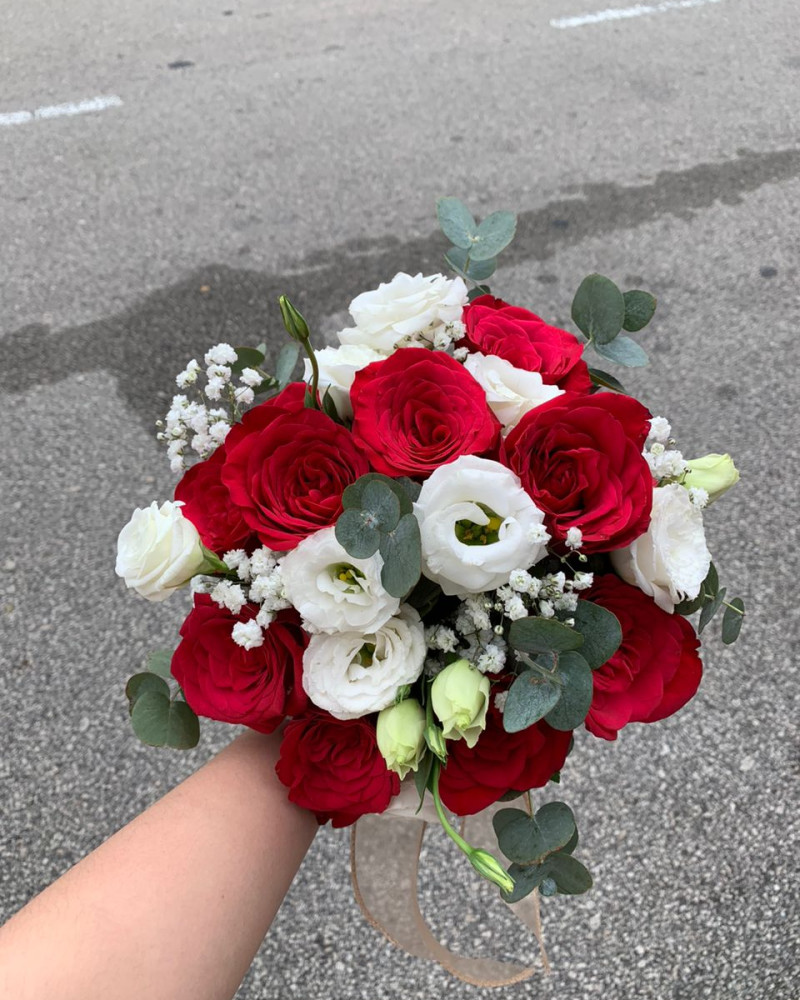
(493, 235)
(542, 635)
(159, 661)
(571, 877)
(624, 351)
(556, 824)
(732, 621)
(456, 222)
(576, 694)
(598, 309)
(530, 698)
(140, 684)
(402, 556)
(380, 500)
(356, 533)
(639, 309)
(160, 722)
(601, 631)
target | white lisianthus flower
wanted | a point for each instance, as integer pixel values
(333, 591)
(460, 699)
(337, 369)
(400, 731)
(670, 561)
(406, 310)
(351, 674)
(158, 551)
(476, 524)
(510, 392)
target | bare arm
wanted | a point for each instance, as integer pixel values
(174, 905)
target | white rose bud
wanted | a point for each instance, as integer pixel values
(351, 674)
(713, 473)
(337, 369)
(670, 561)
(404, 309)
(460, 698)
(477, 525)
(158, 551)
(333, 591)
(510, 391)
(401, 736)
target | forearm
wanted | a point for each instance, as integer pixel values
(175, 904)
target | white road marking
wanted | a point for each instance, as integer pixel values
(621, 13)
(60, 110)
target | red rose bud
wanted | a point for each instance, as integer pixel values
(334, 768)
(222, 680)
(656, 669)
(419, 409)
(524, 340)
(580, 460)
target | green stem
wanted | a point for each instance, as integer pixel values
(457, 839)
(733, 608)
(312, 357)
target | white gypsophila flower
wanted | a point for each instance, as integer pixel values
(520, 580)
(492, 659)
(510, 392)
(574, 538)
(243, 395)
(218, 431)
(262, 562)
(220, 354)
(408, 309)
(461, 353)
(250, 377)
(265, 617)
(476, 610)
(202, 584)
(442, 638)
(582, 581)
(546, 609)
(214, 388)
(337, 370)
(249, 635)
(660, 430)
(334, 591)
(222, 372)
(158, 550)
(351, 674)
(698, 496)
(475, 519)
(500, 700)
(567, 602)
(671, 559)
(229, 595)
(665, 463)
(446, 336)
(188, 376)
(238, 561)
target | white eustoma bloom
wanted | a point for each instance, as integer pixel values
(337, 369)
(333, 591)
(510, 392)
(482, 493)
(158, 550)
(351, 674)
(406, 310)
(671, 559)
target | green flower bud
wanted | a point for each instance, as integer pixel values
(434, 737)
(460, 698)
(296, 326)
(713, 473)
(490, 868)
(401, 738)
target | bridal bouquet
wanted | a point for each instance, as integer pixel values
(449, 546)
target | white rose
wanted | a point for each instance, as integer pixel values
(670, 561)
(407, 309)
(455, 503)
(158, 551)
(337, 369)
(351, 674)
(333, 591)
(510, 392)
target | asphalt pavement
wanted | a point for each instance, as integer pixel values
(255, 149)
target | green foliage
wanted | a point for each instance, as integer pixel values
(158, 662)
(576, 692)
(732, 621)
(606, 381)
(624, 351)
(422, 777)
(493, 235)
(601, 631)
(571, 877)
(247, 357)
(286, 362)
(708, 602)
(456, 222)
(541, 635)
(382, 503)
(158, 718)
(401, 549)
(475, 270)
(530, 698)
(639, 309)
(475, 246)
(356, 533)
(711, 608)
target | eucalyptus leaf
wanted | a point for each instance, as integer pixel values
(477, 291)
(530, 698)
(526, 879)
(409, 487)
(571, 877)
(639, 309)
(159, 662)
(403, 489)
(606, 381)
(402, 557)
(624, 351)
(140, 684)
(732, 621)
(542, 635)
(504, 817)
(598, 309)
(711, 582)
(576, 694)
(601, 631)
(456, 222)
(711, 609)
(286, 361)
(689, 607)
(380, 500)
(520, 839)
(356, 534)
(160, 722)
(247, 357)
(475, 270)
(571, 844)
(329, 407)
(556, 825)
(494, 234)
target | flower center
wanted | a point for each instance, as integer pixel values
(365, 655)
(347, 575)
(471, 533)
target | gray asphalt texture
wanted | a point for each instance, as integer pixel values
(300, 150)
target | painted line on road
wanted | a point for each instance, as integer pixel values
(61, 110)
(622, 13)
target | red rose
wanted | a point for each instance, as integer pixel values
(222, 680)
(524, 340)
(419, 409)
(500, 762)
(209, 507)
(287, 466)
(580, 459)
(654, 672)
(334, 768)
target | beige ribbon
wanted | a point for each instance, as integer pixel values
(384, 865)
